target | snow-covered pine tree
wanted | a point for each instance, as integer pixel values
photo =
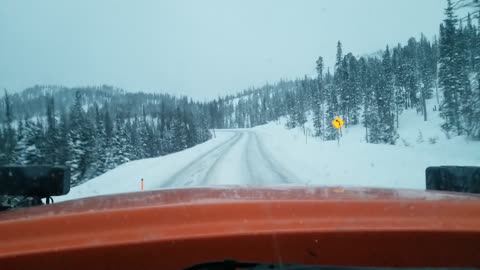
(52, 136)
(119, 143)
(76, 150)
(299, 107)
(399, 83)
(101, 146)
(290, 106)
(353, 89)
(146, 150)
(109, 138)
(367, 95)
(135, 140)
(339, 81)
(385, 101)
(131, 136)
(91, 159)
(371, 116)
(474, 129)
(412, 83)
(61, 151)
(448, 73)
(9, 136)
(2, 146)
(426, 74)
(179, 131)
(331, 133)
(463, 82)
(435, 61)
(476, 45)
(21, 144)
(34, 140)
(318, 100)
(471, 38)
(190, 128)
(203, 131)
(81, 144)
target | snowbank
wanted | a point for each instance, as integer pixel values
(154, 171)
(354, 162)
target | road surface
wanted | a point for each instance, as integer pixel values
(241, 159)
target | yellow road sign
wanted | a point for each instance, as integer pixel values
(337, 122)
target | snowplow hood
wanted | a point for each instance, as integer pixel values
(173, 229)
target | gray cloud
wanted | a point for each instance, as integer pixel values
(199, 48)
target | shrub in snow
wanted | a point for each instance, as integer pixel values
(405, 143)
(433, 140)
(420, 137)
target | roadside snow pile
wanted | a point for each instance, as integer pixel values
(356, 163)
(155, 171)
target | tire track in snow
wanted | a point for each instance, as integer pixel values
(195, 167)
(210, 175)
(282, 174)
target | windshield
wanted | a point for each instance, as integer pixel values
(148, 95)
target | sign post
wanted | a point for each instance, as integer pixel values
(337, 122)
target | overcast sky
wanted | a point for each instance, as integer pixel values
(201, 48)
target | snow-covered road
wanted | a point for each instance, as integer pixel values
(273, 155)
(234, 157)
(242, 159)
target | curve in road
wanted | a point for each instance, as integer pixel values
(242, 159)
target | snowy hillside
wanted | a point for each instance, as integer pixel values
(271, 154)
(354, 162)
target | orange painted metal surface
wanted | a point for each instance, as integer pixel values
(172, 229)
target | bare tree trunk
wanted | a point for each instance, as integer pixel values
(396, 112)
(366, 133)
(424, 107)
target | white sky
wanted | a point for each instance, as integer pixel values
(201, 48)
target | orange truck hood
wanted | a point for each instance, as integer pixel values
(173, 229)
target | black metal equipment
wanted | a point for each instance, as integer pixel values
(453, 178)
(28, 185)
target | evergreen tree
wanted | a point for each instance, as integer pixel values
(81, 144)
(179, 132)
(9, 142)
(331, 133)
(474, 128)
(52, 136)
(385, 101)
(119, 150)
(353, 89)
(290, 105)
(21, 145)
(366, 85)
(448, 73)
(411, 79)
(339, 56)
(399, 83)
(101, 145)
(34, 140)
(463, 86)
(318, 100)
(299, 107)
(61, 150)
(471, 43)
(426, 72)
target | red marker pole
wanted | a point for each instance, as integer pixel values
(141, 185)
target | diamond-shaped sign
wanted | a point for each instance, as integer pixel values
(337, 122)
